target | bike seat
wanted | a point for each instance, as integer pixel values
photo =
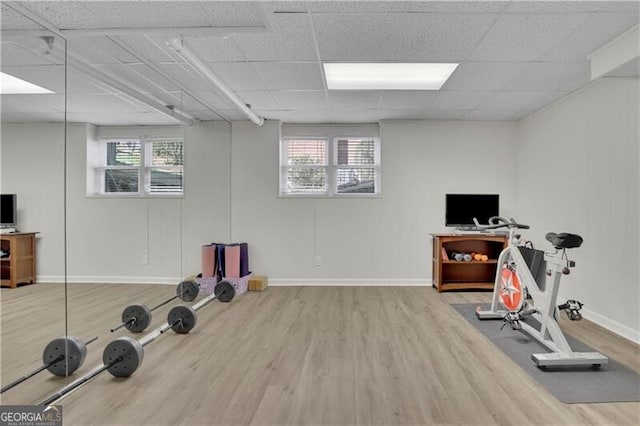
(564, 240)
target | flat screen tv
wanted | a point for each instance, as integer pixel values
(462, 208)
(8, 210)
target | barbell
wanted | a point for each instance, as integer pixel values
(123, 356)
(137, 317)
(69, 349)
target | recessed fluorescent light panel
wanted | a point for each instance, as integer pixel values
(10, 85)
(387, 76)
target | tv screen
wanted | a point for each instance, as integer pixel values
(8, 210)
(462, 208)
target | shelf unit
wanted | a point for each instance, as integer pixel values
(20, 266)
(461, 275)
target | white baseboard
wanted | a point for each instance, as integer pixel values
(87, 279)
(611, 325)
(378, 282)
(342, 282)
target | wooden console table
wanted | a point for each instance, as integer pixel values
(450, 274)
(19, 267)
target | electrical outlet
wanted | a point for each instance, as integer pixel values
(318, 260)
(145, 259)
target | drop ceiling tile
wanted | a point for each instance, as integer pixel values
(358, 6)
(303, 99)
(548, 76)
(354, 99)
(291, 39)
(238, 75)
(512, 100)
(289, 76)
(403, 114)
(598, 30)
(234, 114)
(457, 6)
(116, 118)
(233, 13)
(212, 49)
(139, 77)
(459, 99)
(183, 102)
(300, 116)
(135, 47)
(405, 37)
(186, 75)
(497, 115)
(99, 51)
(525, 37)
(206, 115)
(209, 97)
(483, 75)
(285, 7)
(164, 14)
(553, 6)
(258, 99)
(68, 14)
(407, 99)
(12, 20)
(441, 114)
(621, 6)
(104, 103)
(22, 51)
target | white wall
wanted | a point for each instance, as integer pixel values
(366, 240)
(33, 168)
(107, 238)
(232, 172)
(578, 172)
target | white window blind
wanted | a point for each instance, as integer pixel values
(357, 162)
(305, 166)
(330, 166)
(135, 166)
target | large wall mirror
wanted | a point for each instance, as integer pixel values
(96, 166)
(33, 183)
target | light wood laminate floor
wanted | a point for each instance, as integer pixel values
(296, 356)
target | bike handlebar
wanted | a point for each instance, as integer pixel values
(497, 222)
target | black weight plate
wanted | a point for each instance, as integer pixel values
(73, 351)
(182, 319)
(129, 350)
(188, 290)
(224, 291)
(136, 318)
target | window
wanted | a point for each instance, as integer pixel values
(330, 166)
(135, 166)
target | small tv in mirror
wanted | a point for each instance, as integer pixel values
(8, 210)
(462, 208)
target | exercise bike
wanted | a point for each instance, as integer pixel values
(519, 294)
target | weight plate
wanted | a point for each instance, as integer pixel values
(182, 318)
(128, 351)
(224, 291)
(136, 318)
(72, 350)
(188, 290)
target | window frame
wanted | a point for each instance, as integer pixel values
(331, 167)
(97, 159)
